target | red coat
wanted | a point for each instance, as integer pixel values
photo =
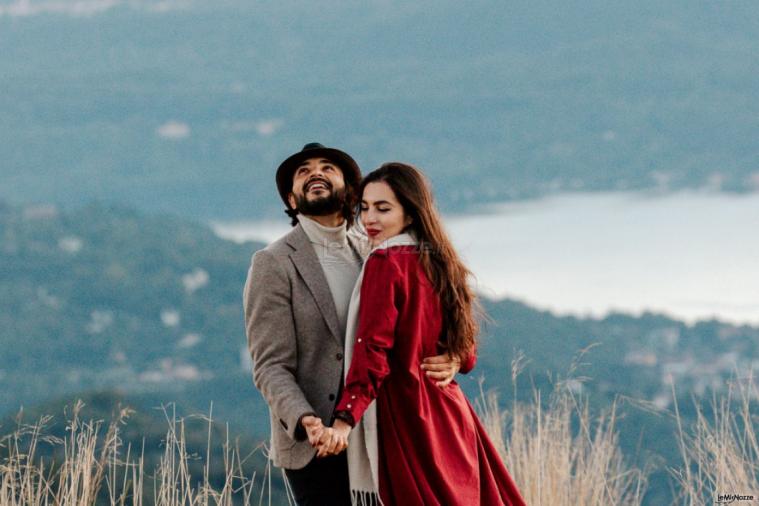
(432, 447)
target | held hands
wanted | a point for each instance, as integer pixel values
(333, 439)
(441, 368)
(314, 428)
(327, 440)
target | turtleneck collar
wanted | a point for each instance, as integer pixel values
(319, 234)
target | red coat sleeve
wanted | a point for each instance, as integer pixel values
(375, 335)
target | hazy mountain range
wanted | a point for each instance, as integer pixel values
(188, 106)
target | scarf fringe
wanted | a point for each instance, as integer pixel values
(365, 498)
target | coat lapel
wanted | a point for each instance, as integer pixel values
(307, 263)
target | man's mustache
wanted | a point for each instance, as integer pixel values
(313, 180)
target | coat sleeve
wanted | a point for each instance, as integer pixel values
(380, 294)
(271, 341)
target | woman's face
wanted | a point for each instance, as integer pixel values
(381, 213)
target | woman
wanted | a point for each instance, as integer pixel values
(414, 301)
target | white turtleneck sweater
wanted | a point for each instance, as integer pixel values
(339, 261)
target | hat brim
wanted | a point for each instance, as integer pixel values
(349, 167)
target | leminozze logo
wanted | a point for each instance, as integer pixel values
(731, 498)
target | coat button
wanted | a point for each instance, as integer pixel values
(359, 339)
(339, 356)
(349, 406)
(353, 396)
(332, 397)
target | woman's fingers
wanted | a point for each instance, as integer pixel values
(331, 442)
(334, 446)
(329, 448)
(343, 444)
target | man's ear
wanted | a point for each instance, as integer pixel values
(291, 200)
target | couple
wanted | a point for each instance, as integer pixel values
(366, 330)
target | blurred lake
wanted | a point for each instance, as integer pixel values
(691, 255)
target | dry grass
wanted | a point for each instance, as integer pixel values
(551, 464)
(560, 455)
(720, 453)
(97, 469)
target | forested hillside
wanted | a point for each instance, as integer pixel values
(190, 107)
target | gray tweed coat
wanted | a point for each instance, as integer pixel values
(294, 340)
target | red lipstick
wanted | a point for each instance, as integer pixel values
(372, 232)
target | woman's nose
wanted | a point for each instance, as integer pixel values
(368, 218)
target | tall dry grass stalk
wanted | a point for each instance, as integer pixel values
(720, 452)
(97, 469)
(560, 455)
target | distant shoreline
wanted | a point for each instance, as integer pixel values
(685, 254)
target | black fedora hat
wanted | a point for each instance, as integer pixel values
(351, 172)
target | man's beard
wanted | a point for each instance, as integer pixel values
(321, 206)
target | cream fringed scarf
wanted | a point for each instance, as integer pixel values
(363, 450)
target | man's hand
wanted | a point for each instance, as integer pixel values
(314, 428)
(334, 439)
(441, 368)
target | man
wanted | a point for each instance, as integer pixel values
(296, 304)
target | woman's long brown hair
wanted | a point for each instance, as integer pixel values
(441, 263)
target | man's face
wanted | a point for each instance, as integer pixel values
(318, 187)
